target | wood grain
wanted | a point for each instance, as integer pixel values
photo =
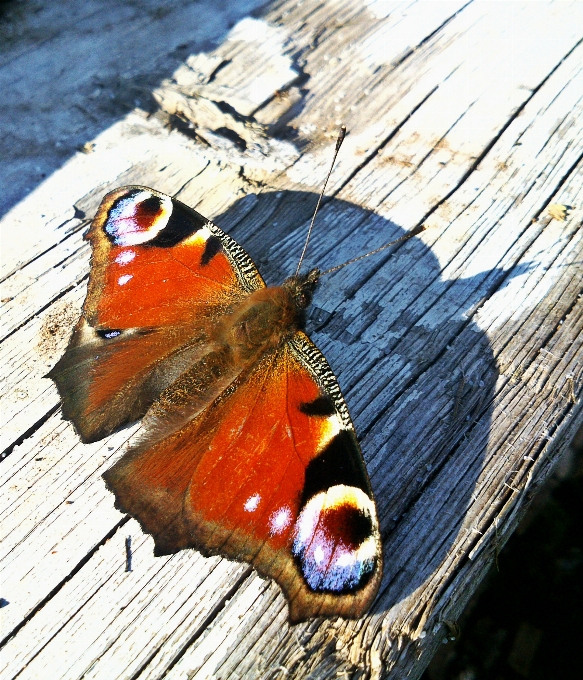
(459, 352)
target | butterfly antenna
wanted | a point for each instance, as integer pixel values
(341, 136)
(406, 237)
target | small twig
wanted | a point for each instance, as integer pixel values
(128, 553)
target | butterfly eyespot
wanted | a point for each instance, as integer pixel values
(137, 217)
(335, 540)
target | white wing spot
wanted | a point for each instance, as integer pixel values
(125, 256)
(252, 502)
(124, 279)
(279, 520)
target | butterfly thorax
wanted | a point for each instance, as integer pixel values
(268, 317)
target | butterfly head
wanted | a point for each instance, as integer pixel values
(302, 287)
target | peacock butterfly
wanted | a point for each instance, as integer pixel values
(246, 447)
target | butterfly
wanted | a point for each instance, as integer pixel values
(246, 447)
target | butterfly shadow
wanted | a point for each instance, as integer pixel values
(416, 370)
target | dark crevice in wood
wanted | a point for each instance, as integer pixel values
(427, 38)
(232, 136)
(144, 605)
(31, 430)
(509, 498)
(201, 628)
(257, 650)
(486, 150)
(536, 453)
(426, 367)
(300, 81)
(40, 519)
(69, 257)
(503, 505)
(552, 133)
(384, 261)
(567, 312)
(450, 447)
(524, 323)
(188, 181)
(482, 410)
(59, 586)
(51, 435)
(184, 126)
(48, 304)
(543, 342)
(215, 72)
(146, 662)
(380, 146)
(71, 616)
(435, 149)
(341, 185)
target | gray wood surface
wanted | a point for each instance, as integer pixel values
(459, 352)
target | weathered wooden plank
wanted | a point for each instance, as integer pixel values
(459, 353)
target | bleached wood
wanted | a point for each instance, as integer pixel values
(459, 352)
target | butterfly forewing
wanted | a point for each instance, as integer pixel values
(161, 274)
(157, 262)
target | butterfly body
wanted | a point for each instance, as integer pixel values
(246, 447)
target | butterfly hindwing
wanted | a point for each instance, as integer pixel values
(270, 473)
(161, 276)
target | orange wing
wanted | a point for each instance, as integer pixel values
(161, 276)
(269, 473)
